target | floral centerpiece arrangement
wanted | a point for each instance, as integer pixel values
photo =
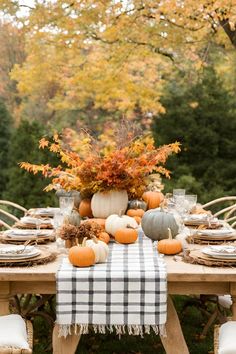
(97, 165)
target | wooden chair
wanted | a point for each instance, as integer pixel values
(223, 208)
(9, 217)
(227, 212)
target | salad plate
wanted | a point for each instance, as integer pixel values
(43, 212)
(28, 232)
(18, 252)
(220, 251)
(215, 232)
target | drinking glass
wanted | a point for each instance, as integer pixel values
(37, 224)
(66, 205)
(57, 221)
(190, 202)
(177, 192)
(179, 201)
(169, 201)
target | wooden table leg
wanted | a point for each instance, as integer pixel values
(174, 342)
(4, 298)
(62, 345)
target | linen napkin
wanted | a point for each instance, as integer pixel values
(127, 294)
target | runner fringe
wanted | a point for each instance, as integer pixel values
(136, 330)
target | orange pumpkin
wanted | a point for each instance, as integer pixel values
(153, 199)
(135, 212)
(169, 246)
(81, 255)
(104, 236)
(85, 208)
(126, 235)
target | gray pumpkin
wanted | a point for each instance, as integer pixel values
(73, 218)
(137, 204)
(155, 224)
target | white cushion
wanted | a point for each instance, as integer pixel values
(13, 332)
(227, 335)
(225, 301)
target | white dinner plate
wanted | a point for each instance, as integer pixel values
(10, 252)
(215, 232)
(50, 211)
(23, 233)
(220, 251)
(32, 220)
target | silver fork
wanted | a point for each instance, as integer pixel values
(26, 243)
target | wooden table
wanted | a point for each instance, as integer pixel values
(183, 278)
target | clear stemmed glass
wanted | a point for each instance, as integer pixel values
(57, 221)
(37, 224)
(179, 201)
(177, 192)
(169, 201)
(190, 201)
(66, 205)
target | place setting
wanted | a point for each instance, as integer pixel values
(213, 255)
(212, 235)
(24, 255)
(33, 222)
(48, 212)
(19, 236)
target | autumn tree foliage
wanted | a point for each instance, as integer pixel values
(12, 52)
(113, 55)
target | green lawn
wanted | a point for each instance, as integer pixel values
(192, 323)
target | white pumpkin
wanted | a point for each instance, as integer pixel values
(100, 249)
(115, 222)
(104, 204)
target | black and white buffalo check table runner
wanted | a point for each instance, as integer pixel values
(127, 294)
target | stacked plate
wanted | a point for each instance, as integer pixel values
(225, 233)
(48, 212)
(18, 252)
(22, 235)
(200, 219)
(30, 222)
(222, 252)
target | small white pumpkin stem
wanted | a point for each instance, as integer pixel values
(163, 204)
(130, 227)
(169, 234)
(120, 213)
(94, 238)
(84, 242)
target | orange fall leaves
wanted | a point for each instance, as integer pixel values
(104, 169)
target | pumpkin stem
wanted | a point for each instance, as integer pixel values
(162, 204)
(130, 227)
(84, 242)
(169, 234)
(94, 238)
(121, 212)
